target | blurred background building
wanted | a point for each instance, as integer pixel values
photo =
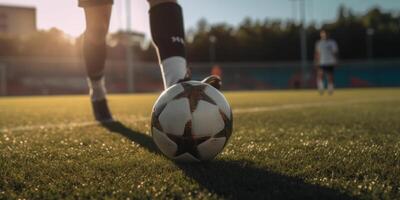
(18, 21)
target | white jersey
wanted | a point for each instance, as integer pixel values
(326, 50)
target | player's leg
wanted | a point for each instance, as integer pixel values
(167, 30)
(331, 80)
(97, 15)
(320, 80)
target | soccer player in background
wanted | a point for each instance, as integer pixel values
(168, 34)
(326, 57)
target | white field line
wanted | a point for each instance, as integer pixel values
(308, 105)
(235, 111)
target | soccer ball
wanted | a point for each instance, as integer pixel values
(191, 121)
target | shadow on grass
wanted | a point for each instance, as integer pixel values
(237, 179)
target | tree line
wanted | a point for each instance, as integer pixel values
(274, 40)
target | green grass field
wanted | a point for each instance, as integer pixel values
(285, 145)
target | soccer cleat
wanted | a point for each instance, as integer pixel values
(214, 81)
(101, 112)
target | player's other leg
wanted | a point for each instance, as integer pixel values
(168, 33)
(320, 80)
(97, 15)
(331, 80)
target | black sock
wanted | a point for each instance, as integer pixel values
(167, 30)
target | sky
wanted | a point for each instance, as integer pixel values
(65, 15)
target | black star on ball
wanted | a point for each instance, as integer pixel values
(194, 93)
(187, 143)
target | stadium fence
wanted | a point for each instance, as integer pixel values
(44, 76)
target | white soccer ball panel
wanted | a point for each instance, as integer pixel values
(219, 99)
(206, 120)
(168, 95)
(167, 146)
(186, 157)
(175, 116)
(211, 148)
